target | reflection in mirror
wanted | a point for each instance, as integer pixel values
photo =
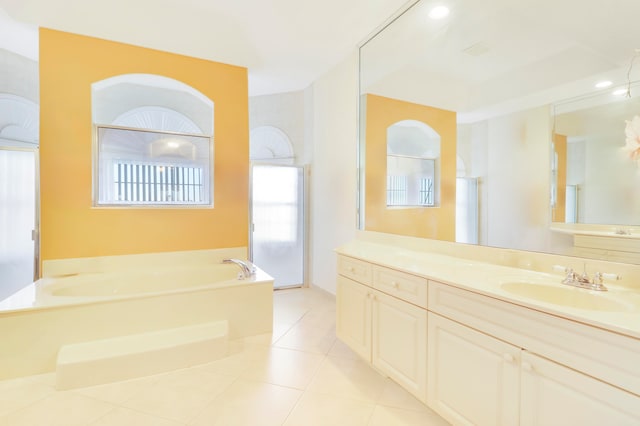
(501, 72)
(597, 178)
(19, 140)
(413, 153)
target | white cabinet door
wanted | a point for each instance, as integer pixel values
(353, 316)
(556, 395)
(400, 342)
(473, 378)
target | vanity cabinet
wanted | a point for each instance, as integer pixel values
(476, 379)
(473, 378)
(554, 395)
(384, 329)
(494, 363)
(478, 359)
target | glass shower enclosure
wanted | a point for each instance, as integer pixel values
(18, 171)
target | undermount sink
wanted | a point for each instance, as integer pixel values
(566, 296)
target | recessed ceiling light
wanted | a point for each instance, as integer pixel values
(603, 84)
(620, 92)
(439, 12)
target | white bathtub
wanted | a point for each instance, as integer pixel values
(87, 306)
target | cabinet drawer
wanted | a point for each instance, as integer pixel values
(410, 288)
(355, 269)
(607, 356)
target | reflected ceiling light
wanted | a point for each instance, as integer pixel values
(603, 84)
(620, 92)
(439, 12)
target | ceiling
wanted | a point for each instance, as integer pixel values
(285, 44)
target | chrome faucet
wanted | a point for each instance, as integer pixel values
(247, 269)
(583, 281)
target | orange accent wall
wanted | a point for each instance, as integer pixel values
(558, 212)
(70, 226)
(425, 222)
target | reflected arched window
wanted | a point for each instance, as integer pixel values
(271, 145)
(154, 142)
(413, 163)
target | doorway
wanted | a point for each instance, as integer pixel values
(18, 194)
(277, 228)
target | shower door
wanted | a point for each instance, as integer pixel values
(278, 222)
(17, 219)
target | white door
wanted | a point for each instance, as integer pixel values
(278, 222)
(17, 219)
(353, 316)
(474, 379)
(554, 395)
(399, 342)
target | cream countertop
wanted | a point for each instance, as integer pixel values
(487, 279)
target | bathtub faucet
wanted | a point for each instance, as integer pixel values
(246, 268)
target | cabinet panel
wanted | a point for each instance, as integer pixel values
(473, 378)
(404, 286)
(610, 356)
(355, 269)
(556, 395)
(353, 316)
(400, 343)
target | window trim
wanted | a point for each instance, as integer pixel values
(95, 171)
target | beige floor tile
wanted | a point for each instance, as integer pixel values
(328, 410)
(19, 393)
(125, 417)
(396, 397)
(344, 377)
(180, 395)
(387, 416)
(305, 337)
(118, 392)
(342, 350)
(60, 409)
(249, 403)
(284, 367)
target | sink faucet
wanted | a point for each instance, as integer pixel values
(583, 280)
(247, 269)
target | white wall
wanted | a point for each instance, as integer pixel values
(333, 170)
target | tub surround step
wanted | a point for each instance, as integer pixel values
(127, 357)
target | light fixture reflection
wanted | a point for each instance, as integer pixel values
(603, 84)
(439, 12)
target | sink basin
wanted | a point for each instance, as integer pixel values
(566, 296)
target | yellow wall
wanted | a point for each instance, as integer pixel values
(426, 222)
(70, 227)
(558, 212)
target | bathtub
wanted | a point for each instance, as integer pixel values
(73, 307)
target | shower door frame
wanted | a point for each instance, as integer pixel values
(305, 215)
(35, 233)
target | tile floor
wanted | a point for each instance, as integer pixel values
(299, 375)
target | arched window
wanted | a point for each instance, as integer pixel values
(154, 142)
(270, 144)
(413, 164)
(19, 121)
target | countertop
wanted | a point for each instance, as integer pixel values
(617, 310)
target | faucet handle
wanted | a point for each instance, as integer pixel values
(608, 276)
(560, 268)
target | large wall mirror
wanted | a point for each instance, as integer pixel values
(537, 110)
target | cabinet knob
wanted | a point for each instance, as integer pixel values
(508, 357)
(394, 284)
(527, 367)
(370, 296)
(350, 269)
